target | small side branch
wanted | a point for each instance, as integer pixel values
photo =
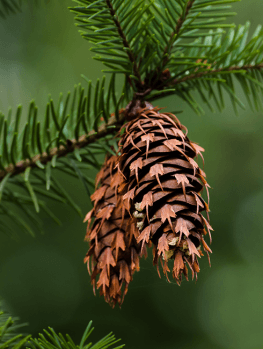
(178, 27)
(172, 84)
(215, 71)
(62, 151)
(125, 44)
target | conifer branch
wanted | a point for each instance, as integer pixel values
(80, 128)
(12, 339)
(7, 7)
(199, 75)
(149, 44)
(9, 338)
(176, 22)
(175, 33)
(183, 17)
(118, 31)
(63, 151)
(125, 44)
(194, 76)
(212, 81)
(208, 66)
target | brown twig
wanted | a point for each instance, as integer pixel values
(178, 27)
(126, 44)
(103, 131)
(215, 71)
(62, 151)
(167, 49)
(198, 75)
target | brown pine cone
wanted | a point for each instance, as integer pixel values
(114, 251)
(163, 190)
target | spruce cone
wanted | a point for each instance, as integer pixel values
(163, 190)
(114, 251)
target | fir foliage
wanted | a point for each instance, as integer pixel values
(51, 340)
(175, 22)
(8, 7)
(10, 337)
(181, 48)
(69, 139)
(118, 31)
(9, 331)
(138, 38)
(211, 66)
(161, 48)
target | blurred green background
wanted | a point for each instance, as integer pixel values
(44, 280)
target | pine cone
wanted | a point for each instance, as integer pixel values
(114, 251)
(163, 190)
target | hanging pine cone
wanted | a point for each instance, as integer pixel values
(163, 190)
(114, 251)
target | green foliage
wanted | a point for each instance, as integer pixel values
(77, 114)
(210, 67)
(58, 341)
(176, 21)
(137, 37)
(9, 337)
(28, 157)
(118, 31)
(8, 7)
(51, 340)
(187, 39)
(143, 40)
